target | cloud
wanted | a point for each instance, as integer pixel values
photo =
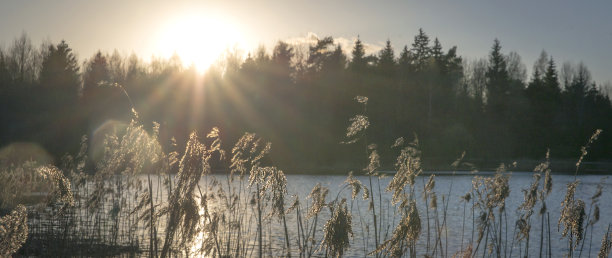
(348, 43)
(309, 39)
(303, 42)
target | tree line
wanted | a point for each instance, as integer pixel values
(301, 98)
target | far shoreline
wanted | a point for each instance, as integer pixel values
(558, 167)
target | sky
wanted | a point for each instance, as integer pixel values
(568, 30)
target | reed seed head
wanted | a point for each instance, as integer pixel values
(13, 231)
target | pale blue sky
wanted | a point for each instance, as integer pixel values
(568, 30)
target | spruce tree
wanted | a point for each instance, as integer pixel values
(281, 63)
(386, 60)
(59, 82)
(358, 61)
(96, 72)
(421, 50)
(551, 79)
(97, 95)
(499, 131)
(436, 50)
(60, 70)
(404, 60)
(497, 79)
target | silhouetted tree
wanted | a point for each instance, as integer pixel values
(59, 87)
(318, 55)
(22, 61)
(116, 68)
(60, 70)
(544, 97)
(99, 95)
(576, 98)
(358, 60)
(134, 70)
(539, 67)
(498, 81)
(404, 62)
(498, 100)
(436, 50)
(420, 50)
(96, 72)
(386, 61)
(5, 75)
(281, 61)
(517, 72)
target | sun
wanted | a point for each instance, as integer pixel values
(198, 39)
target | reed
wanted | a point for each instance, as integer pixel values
(133, 205)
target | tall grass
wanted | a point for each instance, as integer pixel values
(13, 231)
(133, 205)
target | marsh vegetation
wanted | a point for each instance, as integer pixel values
(134, 205)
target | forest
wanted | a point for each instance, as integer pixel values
(299, 97)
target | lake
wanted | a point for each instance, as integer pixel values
(453, 186)
(456, 233)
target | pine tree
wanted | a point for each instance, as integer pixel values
(96, 98)
(543, 93)
(281, 62)
(581, 81)
(551, 79)
(386, 60)
(452, 74)
(497, 79)
(499, 100)
(59, 86)
(318, 54)
(60, 70)
(453, 64)
(96, 72)
(535, 88)
(262, 58)
(134, 70)
(358, 61)
(536, 80)
(116, 67)
(436, 50)
(337, 59)
(421, 50)
(404, 60)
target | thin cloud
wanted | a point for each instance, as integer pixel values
(346, 43)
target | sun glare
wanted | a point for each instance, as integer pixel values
(199, 40)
